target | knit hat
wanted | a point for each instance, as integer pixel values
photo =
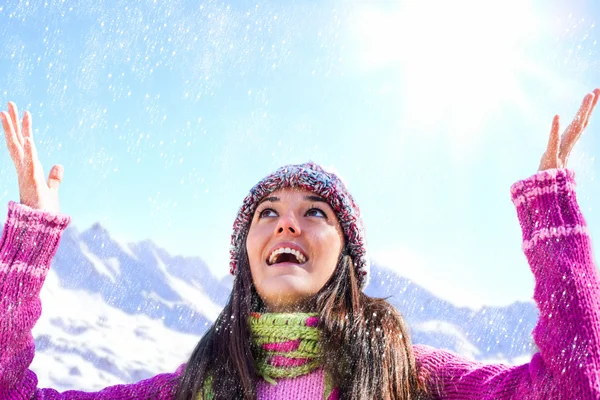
(313, 178)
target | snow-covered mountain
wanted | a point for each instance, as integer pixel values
(140, 278)
(488, 334)
(116, 313)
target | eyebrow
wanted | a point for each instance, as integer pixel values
(274, 199)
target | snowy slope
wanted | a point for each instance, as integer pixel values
(84, 343)
(116, 313)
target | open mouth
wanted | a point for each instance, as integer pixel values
(286, 255)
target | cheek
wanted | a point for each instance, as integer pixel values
(330, 247)
(253, 247)
(256, 272)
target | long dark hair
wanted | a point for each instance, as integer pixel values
(367, 349)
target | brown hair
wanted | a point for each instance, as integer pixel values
(367, 349)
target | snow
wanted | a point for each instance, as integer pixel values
(462, 343)
(92, 345)
(114, 265)
(124, 247)
(191, 293)
(97, 262)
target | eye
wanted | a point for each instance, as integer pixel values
(267, 212)
(316, 212)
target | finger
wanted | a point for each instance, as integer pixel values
(550, 156)
(30, 156)
(596, 94)
(575, 129)
(55, 176)
(27, 131)
(14, 116)
(554, 139)
(585, 108)
(14, 147)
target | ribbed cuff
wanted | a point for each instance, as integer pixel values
(546, 203)
(31, 237)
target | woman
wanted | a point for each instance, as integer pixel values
(297, 324)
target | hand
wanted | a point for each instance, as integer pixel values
(559, 148)
(34, 190)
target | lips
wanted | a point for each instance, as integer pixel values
(287, 253)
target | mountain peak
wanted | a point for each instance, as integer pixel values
(97, 230)
(98, 227)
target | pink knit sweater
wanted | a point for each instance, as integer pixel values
(555, 241)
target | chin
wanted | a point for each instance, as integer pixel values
(287, 290)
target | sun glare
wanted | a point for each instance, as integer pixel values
(462, 58)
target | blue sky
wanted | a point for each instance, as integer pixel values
(164, 114)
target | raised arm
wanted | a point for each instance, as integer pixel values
(29, 241)
(567, 291)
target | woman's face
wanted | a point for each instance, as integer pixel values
(294, 244)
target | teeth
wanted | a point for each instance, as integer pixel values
(299, 256)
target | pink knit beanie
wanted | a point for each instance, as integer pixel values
(313, 178)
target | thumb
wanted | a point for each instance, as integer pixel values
(55, 176)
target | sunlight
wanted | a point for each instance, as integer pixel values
(462, 58)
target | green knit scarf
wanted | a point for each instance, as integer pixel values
(285, 345)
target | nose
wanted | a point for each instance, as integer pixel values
(288, 224)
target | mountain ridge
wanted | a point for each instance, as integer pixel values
(139, 294)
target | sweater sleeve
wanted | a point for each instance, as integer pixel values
(567, 292)
(29, 241)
